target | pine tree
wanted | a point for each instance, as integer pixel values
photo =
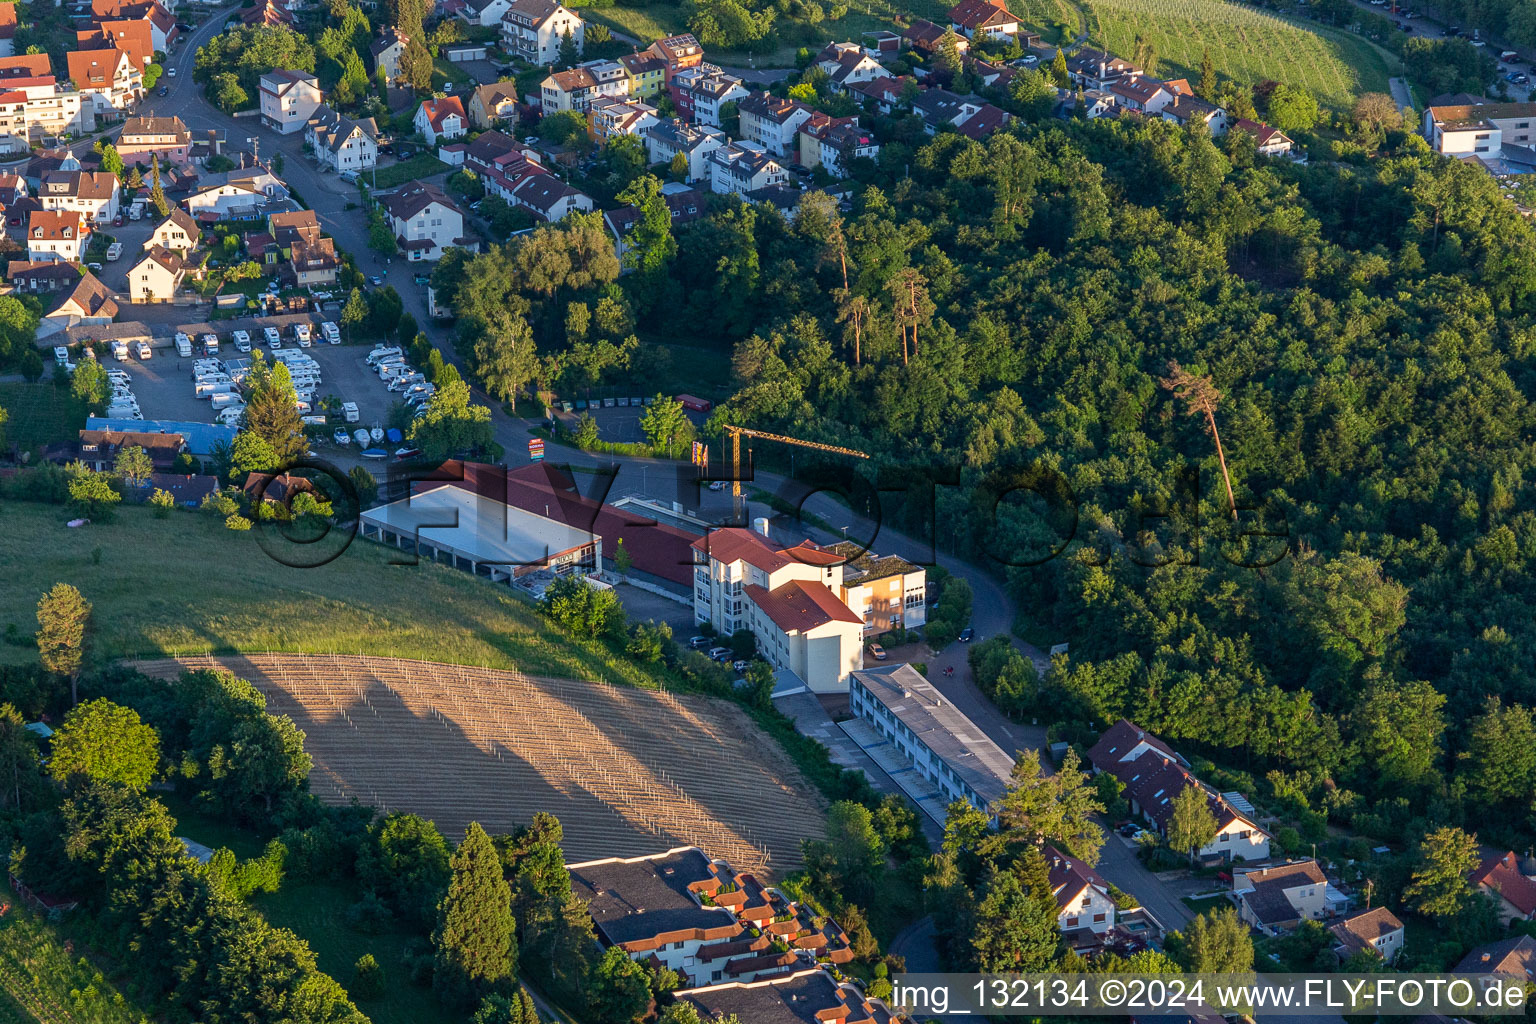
(475, 940)
(569, 54)
(1059, 69)
(1207, 88)
(271, 412)
(156, 190)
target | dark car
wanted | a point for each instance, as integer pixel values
(966, 634)
(164, 91)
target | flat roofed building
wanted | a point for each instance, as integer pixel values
(480, 534)
(944, 745)
(802, 997)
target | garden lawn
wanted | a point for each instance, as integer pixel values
(186, 585)
(1245, 44)
(422, 165)
(40, 414)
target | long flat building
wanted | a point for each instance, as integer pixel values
(943, 744)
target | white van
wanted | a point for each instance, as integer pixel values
(207, 389)
(242, 340)
(349, 412)
(382, 353)
(230, 416)
(120, 350)
(224, 399)
(330, 332)
(301, 335)
(114, 252)
(210, 344)
(273, 337)
(183, 345)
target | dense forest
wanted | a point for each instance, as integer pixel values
(1006, 316)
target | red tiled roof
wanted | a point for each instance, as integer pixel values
(1501, 873)
(798, 605)
(1364, 929)
(1119, 740)
(974, 14)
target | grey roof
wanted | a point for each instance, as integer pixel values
(943, 728)
(799, 998)
(1267, 899)
(633, 900)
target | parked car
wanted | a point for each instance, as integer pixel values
(341, 436)
(376, 280)
(967, 634)
(143, 350)
(301, 335)
(163, 91)
(273, 338)
(719, 653)
(877, 652)
(170, 72)
(698, 643)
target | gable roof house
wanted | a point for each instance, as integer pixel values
(99, 447)
(57, 235)
(971, 116)
(269, 12)
(310, 256)
(772, 122)
(92, 193)
(699, 93)
(1095, 69)
(144, 138)
(1377, 930)
(441, 119)
(88, 302)
(573, 89)
(134, 38)
(1513, 958)
(885, 93)
(425, 221)
(1278, 898)
(157, 276)
(110, 78)
(924, 36)
(1085, 911)
(1269, 141)
(1511, 883)
(677, 53)
(548, 198)
(162, 25)
(387, 51)
(669, 138)
(7, 29)
(647, 74)
(534, 29)
(241, 194)
(847, 65)
(833, 143)
(342, 144)
(626, 116)
(289, 99)
(1185, 109)
(988, 19)
(484, 13)
(42, 277)
(789, 997)
(178, 232)
(684, 203)
(1143, 95)
(496, 101)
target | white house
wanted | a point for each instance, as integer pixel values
(92, 193)
(441, 120)
(342, 144)
(235, 194)
(1479, 129)
(772, 122)
(110, 79)
(847, 65)
(425, 221)
(484, 13)
(736, 169)
(786, 597)
(57, 235)
(387, 52)
(288, 100)
(156, 277)
(1082, 897)
(534, 29)
(1276, 899)
(1377, 930)
(695, 141)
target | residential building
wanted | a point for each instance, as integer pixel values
(1185, 109)
(99, 447)
(1268, 141)
(441, 119)
(739, 168)
(134, 38)
(1377, 930)
(202, 439)
(832, 143)
(887, 593)
(57, 235)
(669, 138)
(1513, 958)
(986, 19)
(1278, 898)
(484, 13)
(807, 996)
(1511, 883)
(269, 13)
(92, 193)
(771, 122)
(1095, 69)
(146, 138)
(189, 489)
(157, 276)
(610, 117)
(491, 103)
(786, 596)
(289, 99)
(647, 74)
(310, 257)
(178, 233)
(425, 221)
(699, 93)
(1479, 129)
(924, 36)
(7, 29)
(109, 78)
(1142, 95)
(342, 144)
(547, 197)
(847, 65)
(88, 302)
(971, 116)
(31, 108)
(676, 53)
(573, 89)
(1083, 903)
(534, 30)
(42, 277)
(162, 24)
(388, 50)
(1154, 775)
(684, 203)
(235, 195)
(886, 94)
(943, 745)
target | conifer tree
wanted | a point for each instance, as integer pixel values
(475, 940)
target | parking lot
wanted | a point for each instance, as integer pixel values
(133, 234)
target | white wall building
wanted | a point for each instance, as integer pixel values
(288, 100)
(534, 29)
(425, 221)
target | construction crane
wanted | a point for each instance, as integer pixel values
(737, 433)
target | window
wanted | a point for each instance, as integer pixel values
(1098, 918)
